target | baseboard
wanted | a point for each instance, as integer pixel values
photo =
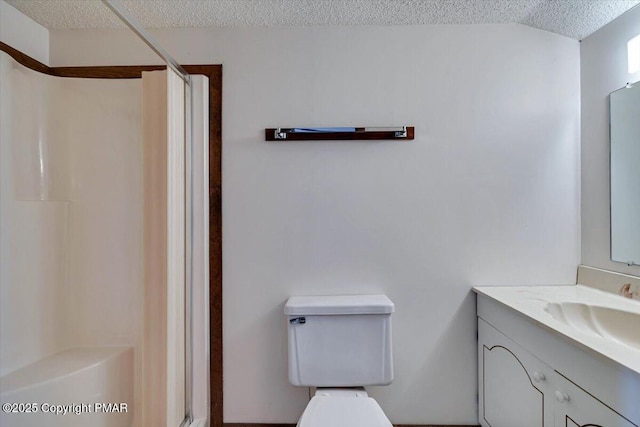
(257, 425)
(293, 425)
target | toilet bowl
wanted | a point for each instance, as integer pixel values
(340, 343)
(343, 408)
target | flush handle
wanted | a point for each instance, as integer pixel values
(298, 321)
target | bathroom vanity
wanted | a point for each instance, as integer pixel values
(557, 356)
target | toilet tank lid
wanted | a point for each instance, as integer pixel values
(338, 304)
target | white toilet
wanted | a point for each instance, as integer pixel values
(340, 344)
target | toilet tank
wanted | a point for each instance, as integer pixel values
(339, 340)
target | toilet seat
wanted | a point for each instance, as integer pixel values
(342, 408)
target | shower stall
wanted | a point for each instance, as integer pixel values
(103, 247)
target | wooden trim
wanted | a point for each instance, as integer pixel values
(106, 72)
(257, 425)
(293, 425)
(214, 73)
(25, 60)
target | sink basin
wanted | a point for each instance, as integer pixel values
(606, 322)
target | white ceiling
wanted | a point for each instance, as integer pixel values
(572, 18)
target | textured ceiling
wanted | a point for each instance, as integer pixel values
(572, 18)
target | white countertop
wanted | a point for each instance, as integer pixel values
(531, 302)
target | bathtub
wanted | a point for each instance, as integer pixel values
(77, 387)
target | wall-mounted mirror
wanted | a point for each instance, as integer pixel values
(624, 111)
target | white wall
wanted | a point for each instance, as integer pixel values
(487, 193)
(603, 63)
(23, 33)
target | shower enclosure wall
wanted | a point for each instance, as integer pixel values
(101, 190)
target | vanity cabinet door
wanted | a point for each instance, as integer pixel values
(514, 386)
(576, 407)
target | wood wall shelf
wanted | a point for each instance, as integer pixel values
(339, 134)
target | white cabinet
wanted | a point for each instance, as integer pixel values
(515, 387)
(576, 407)
(504, 379)
(528, 377)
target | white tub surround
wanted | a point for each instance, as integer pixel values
(71, 162)
(102, 160)
(77, 387)
(579, 348)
